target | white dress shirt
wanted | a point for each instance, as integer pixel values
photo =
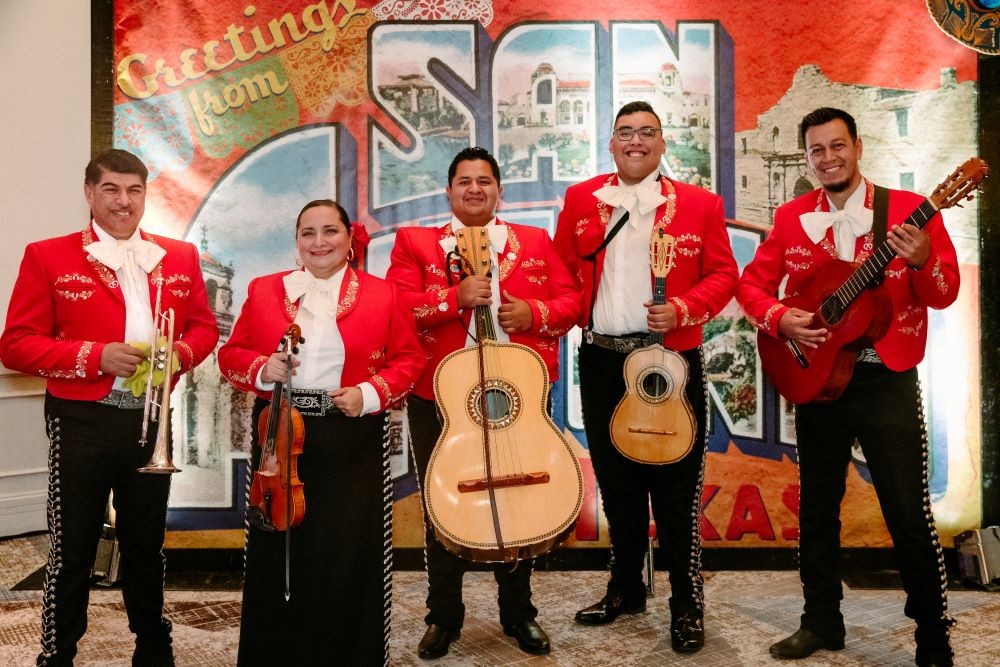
(625, 279)
(322, 354)
(498, 241)
(134, 281)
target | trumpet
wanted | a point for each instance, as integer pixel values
(157, 404)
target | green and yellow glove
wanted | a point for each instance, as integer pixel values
(136, 383)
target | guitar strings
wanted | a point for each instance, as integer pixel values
(504, 449)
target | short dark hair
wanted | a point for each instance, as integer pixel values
(117, 161)
(824, 115)
(637, 107)
(329, 203)
(470, 154)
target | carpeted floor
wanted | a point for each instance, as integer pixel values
(746, 611)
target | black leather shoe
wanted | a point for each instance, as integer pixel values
(530, 637)
(803, 644)
(608, 609)
(687, 632)
(153, 658)
(436, 641)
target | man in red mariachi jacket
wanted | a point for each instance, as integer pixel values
(618, 313)
(534, 302)
(79, 302)
(881, 406)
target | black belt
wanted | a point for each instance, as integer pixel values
(313, 403)
(124, 400)
(623, 344)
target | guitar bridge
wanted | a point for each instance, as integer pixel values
(523, 479)
(651, 431)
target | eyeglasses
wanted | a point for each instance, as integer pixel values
(647, 133)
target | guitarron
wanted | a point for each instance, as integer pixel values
(502, 483)
(844, 301)
(654, 422)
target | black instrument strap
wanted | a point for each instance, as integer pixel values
(880, 224)
(592, 258)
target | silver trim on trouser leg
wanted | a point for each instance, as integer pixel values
(694, 564)
(420, 492)
(928, 513)
(386, 536)
(246, 515)
(54, 565)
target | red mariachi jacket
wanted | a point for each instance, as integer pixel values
(530, 269)
(705, 273)
(788, 251)
(66, 306)
(380, 344)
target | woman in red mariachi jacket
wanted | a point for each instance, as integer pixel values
(359, 357)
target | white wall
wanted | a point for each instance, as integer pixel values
(45, 145)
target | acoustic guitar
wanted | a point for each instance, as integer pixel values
(848, 301)
(654, 422)
(502, 484)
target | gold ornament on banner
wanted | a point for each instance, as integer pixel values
(974, 23)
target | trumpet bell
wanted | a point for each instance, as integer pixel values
(160, 463)
(158, 398)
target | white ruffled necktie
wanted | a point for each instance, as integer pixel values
(135, 257)
(848, 224)
(114, 254)
(636, 199)
(319, 294)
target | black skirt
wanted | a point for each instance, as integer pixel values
(341, 554)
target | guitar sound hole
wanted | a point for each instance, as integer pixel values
(497, 404)
(503, 404)
(655, 386)
(831, 310)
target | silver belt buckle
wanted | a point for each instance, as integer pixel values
(313, 402)
(307, 402)
(868, 355)
(123, 400)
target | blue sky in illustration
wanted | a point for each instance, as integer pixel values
(250, 214)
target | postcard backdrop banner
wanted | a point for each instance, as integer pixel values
(244, 112)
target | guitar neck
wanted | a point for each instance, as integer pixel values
(484, 324)
(659, 298)
(875, 265)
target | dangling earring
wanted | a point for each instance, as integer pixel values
(350, 254)
(298, 261)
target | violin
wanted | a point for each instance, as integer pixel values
(277, 495)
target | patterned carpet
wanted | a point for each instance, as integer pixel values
(746, 611)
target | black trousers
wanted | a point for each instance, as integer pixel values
(629, 489)
(94, 449)
(883, 410)
(445, 570)
(341, 555)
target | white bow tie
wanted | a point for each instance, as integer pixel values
(848, 224)
(497, 234)
(320, 297)
(642, 198)
(113, 254)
